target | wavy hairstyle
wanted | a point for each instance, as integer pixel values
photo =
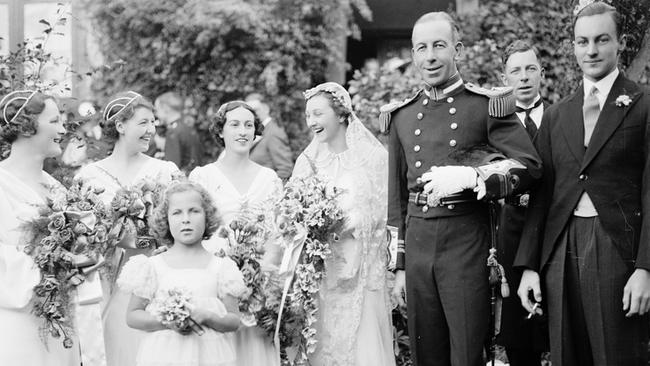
(159, 220)
(19, 111)
(120, 108)
(219, 119)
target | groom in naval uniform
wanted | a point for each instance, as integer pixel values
(587, 230)
(444, 247)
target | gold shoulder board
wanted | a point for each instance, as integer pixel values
(386, 110)
(502, 99)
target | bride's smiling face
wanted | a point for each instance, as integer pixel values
(322, 120)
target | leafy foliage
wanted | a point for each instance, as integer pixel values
(216, 51)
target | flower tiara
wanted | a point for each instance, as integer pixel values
(581, 5)
(121, 103)
(337, 91)
(11, 99)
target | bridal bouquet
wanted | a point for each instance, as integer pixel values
(68, 239)
(246, 236)
(173, 308)
(131, 209)
(310, 220)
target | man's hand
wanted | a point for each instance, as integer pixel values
(530, 282)
(399, 291)
(443, 181)
(636, 293)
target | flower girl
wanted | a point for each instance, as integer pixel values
(185, 298)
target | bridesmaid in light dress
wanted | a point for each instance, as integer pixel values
(29, 122)
(236, 183)
(128, 122)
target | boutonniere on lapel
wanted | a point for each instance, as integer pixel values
(623, 100)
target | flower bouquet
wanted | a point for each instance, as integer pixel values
(131, 209)
(173, 308)
(68, 240)
(309, 220)
(246, 236)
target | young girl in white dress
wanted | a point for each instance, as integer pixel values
(238, 184)
(184, 218)
(29, 122)
(128, 123)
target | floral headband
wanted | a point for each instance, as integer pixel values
(121, 103)
(581, 5)
(336, 90)
(15, 99)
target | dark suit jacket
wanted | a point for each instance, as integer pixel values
(183, 146)
(273, 150)
(614, 170)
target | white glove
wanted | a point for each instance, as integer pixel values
(443, 181)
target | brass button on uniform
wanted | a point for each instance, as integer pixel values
(450, 100)
(418, 132)
(451, 207)
(425, 102)
(452, 110)
(452, 143)
(454, 126)
(416, 148)
(420, 115)
(418, 164)
(425, 208)
(583, 177)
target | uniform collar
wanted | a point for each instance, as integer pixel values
(443, 90)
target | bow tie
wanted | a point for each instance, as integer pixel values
(528, 110)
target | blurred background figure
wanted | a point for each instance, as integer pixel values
(272, 148)
(181, 144)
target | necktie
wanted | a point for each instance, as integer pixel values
(590, 113)
(531, 127)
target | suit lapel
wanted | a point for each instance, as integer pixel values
(572, 124)
(610, 117)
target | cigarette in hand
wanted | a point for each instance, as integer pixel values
(534, 311)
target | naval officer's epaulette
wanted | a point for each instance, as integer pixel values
(386, 110)
(502, 100)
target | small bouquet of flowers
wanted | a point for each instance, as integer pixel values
(131, 209)
(246, 236)
(68, 240)
(173, 308)
(309, 220)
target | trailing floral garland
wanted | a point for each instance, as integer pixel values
(246, 236)
(309, 220)
(67, 239)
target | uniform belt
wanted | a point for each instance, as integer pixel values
(520, 200)
(420, 199)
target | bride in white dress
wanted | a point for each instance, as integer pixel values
(354, 326)
(236, 183)
(29, 121)
(128, 121)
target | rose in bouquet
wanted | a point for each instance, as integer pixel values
(173, 308)
(67, 240)
(246, 236)
(309, 220)
(131, 208)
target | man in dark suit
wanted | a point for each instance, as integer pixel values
(182, 143)
(524, 339)
(587, 230)
(272, 149)
(444, 245)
